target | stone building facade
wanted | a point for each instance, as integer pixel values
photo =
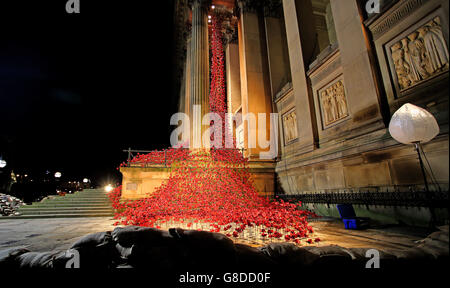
(335, 72)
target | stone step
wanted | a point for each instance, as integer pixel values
(70, 203)
(87, 203)
(61, 212)
(89, 195)
(84, 193)
(67, 205)
(71, 215)
(66, 208)
(77, 199)
(81, 195)
(75, 202)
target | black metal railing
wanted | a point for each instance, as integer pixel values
(165, 163)
(437, 199)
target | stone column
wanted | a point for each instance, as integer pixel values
(233, 78)
(233, 84)
(187, 87)
(255, 80)
(199, 58)
(301, 39)
(277, 52)
(363, 100)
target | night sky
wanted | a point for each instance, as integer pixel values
(77, 89)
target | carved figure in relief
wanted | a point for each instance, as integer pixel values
(326, 108)
(340, 100)
(290, 127)
(294, 126)
(420, 55)
(334, 103)
(435, 46)
(286, 130)
(402, 67)
(334, 100)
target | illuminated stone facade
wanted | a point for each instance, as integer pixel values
(335, 75)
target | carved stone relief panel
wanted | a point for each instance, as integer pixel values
(290, 127)
(333, 103)
(420, 56)
(240, 136)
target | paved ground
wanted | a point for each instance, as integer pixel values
(51, 234)
(382, 237)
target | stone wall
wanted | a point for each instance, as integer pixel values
(139, 182)
(335, 103)
(397, 57)
(375, 162)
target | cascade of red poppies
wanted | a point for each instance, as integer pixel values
(217, 95)
(213, 186)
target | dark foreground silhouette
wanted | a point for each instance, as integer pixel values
(190, 250)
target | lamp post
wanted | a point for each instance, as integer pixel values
(3, 184)
(414, 125)
(86, 183)
(57, 178)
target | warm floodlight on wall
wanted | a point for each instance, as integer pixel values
(109, 188)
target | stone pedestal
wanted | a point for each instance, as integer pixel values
(264, 178)
(138, 183)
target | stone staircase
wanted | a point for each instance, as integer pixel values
(86, 203)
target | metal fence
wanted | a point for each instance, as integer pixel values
(437, 199)
(165, 163)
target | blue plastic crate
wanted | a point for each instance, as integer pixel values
(350, 223)
(346, 211)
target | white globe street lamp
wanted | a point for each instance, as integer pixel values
(85, 180)
(58, 175)
(2, 163)
(411, 124)
(414, 125)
